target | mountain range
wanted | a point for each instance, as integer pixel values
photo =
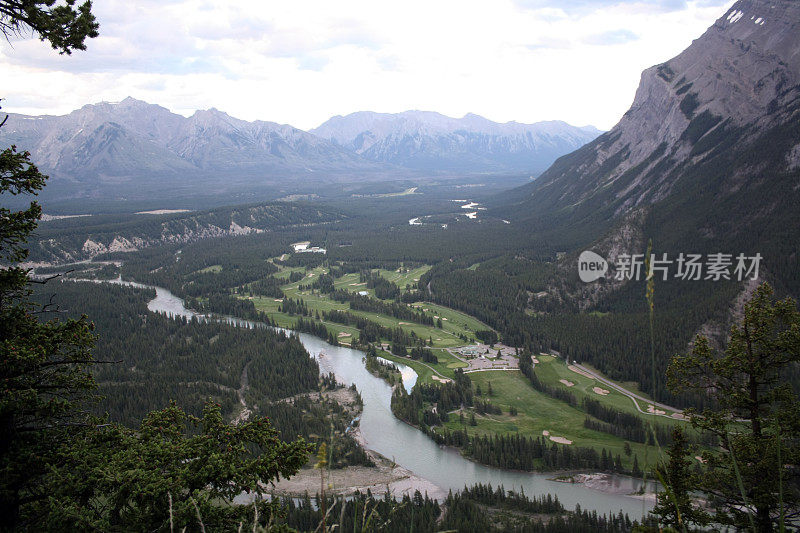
(132, 146)
(430, 141)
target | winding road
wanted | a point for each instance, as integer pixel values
(633, 396)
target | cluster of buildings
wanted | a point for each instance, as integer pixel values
(484, 357)
(305, 247)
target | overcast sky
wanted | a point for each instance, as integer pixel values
(303, 61)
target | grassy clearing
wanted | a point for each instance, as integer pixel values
(351, 283)
(403, 278)
(410, 190)
(538, 412)
(215, 269)
(551, 370)
(445, 368)
(452, 320)
(455, 325)
(285, 272)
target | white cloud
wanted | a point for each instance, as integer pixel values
(301, 62)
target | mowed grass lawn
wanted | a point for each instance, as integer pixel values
(445, 368)
(552, 369)
(455, 325)
(405, 277)
(538, 412)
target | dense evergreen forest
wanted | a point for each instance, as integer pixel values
(152, 360)
(494, 271)
(476, 509)
(61, 239)
(613, 335)
(497, 273)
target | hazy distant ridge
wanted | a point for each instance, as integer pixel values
(430, 141)
(133, 149)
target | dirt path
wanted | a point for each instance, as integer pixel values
(245, 413)
(420, 363)
(431, 369)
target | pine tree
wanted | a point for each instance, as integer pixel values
(636, 471)
(45, 366)
(748, 382)
(674, 505)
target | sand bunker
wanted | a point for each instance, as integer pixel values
(699, 459)
(441, 380)
(651, 409)
(535, 361)
(567, 383)
(601, 392)
(343, 334)
(559, 440)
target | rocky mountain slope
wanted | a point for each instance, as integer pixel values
(132, 149)
(65, 241)
(431, 141)
(709, 152)
(132, 139)
(705, 162)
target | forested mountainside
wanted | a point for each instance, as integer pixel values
(64, 240)
(150, 360)
(706, 161)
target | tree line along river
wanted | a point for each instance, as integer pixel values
(412, 449)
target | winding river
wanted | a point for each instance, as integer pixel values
(409, 447)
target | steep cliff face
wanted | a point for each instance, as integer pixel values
(709, 147)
